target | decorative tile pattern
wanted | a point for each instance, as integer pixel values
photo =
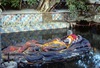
(20, 19)
(57, 16)
(29, 22)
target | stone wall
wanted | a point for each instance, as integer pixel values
(21, 37)
(33, 21)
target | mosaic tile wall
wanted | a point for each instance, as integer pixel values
(30, 22)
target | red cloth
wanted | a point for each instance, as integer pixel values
(74, 36)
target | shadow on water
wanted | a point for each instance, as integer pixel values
(93, 60)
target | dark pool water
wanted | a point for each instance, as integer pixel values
(90, 61)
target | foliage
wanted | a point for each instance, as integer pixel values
(16, 3)
(83, 8)
(76, 5)
(98, 9)
(31, 2)
(5, 2)
(13, 3)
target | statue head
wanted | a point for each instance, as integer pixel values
(69, 32)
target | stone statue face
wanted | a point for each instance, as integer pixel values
(69, 32)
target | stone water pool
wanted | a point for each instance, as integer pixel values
(91, 61)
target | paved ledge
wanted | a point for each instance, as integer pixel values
(20, 11)
(29, 11)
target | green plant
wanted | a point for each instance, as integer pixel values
(76, 5)
(31, 2)
(15, 3)
(5, 2)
